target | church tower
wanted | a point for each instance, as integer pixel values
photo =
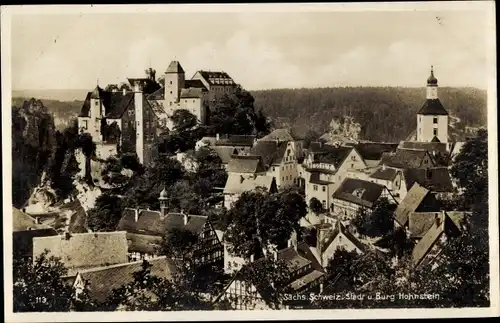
(432, 118)
(174, 82)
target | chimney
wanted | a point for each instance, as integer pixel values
(186, 218)
(136, 215)
(217, 137)
(321, 288)
(124, 91)
(252, 257)
(67, 235)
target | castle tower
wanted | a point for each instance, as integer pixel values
(164, 205)
(174, 82)
(96, 114)
(432, 118)
(138, 85)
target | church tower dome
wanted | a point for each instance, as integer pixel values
(432, 80)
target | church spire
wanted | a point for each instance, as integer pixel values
(432, 84)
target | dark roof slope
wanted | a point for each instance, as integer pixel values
(235, 140)
(271, 152)
(245, 164)
(332, 155)
(152, 223)
(405, 158)
(433, 107)
(315, 179)
(429, 146)
(435, 179)
(359, 192)
(340, 228)
(115, 104)
(420, 222)
(24, 222)
(195, 84)
(410, 203)
(217, 78)
(374, 150)
(174, 67)
(103, 280)
(387, 174)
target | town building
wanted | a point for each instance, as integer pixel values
(426, 252)
(146, 228)
(246, 166)
(372, 152)
(84, 250)
(408, 158)
(418, 199)
(305, 275)
(237, 184)
(101, 281)
(24, 229)
(391, 178)
(354, 195)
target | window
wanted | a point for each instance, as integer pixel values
(352, 165)
(96, 102)
(274, 168)
(435, 120)
(315, 187)
(170, 103)
(324, 204)
(85, 124)
(324, 188)
(170, 83)
(435, 132)
(170, 92)
(283, 179)
(194, 101)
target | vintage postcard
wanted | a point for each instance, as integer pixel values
(241, 162)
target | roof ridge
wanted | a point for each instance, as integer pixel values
(93, 269)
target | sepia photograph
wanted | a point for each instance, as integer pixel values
(249, 161)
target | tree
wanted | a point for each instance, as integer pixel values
(125, 86)
(470, 169)
(147, 292)
(111, 88)
(85, 143)
(260, 219)
(106, 213)
(310, 136)
(342, 263)
(177, 243)
(184, 120)
(376, 222)
(315, 205)
(38, 285)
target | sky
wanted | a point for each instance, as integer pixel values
(260, 50)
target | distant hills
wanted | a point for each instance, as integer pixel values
(385, 113)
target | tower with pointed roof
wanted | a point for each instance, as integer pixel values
(174, 81)
(96, 113)
(164, 202)
(432, 118)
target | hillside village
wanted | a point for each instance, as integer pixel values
(281, 221)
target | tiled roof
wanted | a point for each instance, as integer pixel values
(191, 93)
(358, 192)
(85, 250)
(174, 67)
(432, 107)
(157, 108)
(103, 280)
(332, 155)
(24, 222)
(321, 170)
(236, 140)
(374, 150)
(279, 134)
(429, 146)
(410, 203)
(115, 104)
(435, 179)
(237, 184)
(157, 95)
(428, 240)
(420, 222)
(387, 174)
(195, 84)
(245, 164)
(225, 153)
(404, 158)
(315, 179)
(152, 223)
(217, 78)
(271, 152)
(340, 228)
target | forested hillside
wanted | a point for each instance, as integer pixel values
(385, 113)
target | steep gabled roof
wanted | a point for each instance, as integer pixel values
(435, 179)
(195, 84)
(374, 150)
(433, 107)
(420, 222)
(387, 174)
(103, 280)
(359, 192)
(410, 203)
(341, 229)
(153, 223)
(225, 153)
(246, 164)
(85, 250)
(115, 104)
(429, 146)
(157, 95)
(279, 134)
(272, 152)
(237, 184)
(24, 222)
(174, 67)
(405, 158)
(217, 78)
(332, 155)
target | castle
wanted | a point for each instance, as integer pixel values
(131, 121)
